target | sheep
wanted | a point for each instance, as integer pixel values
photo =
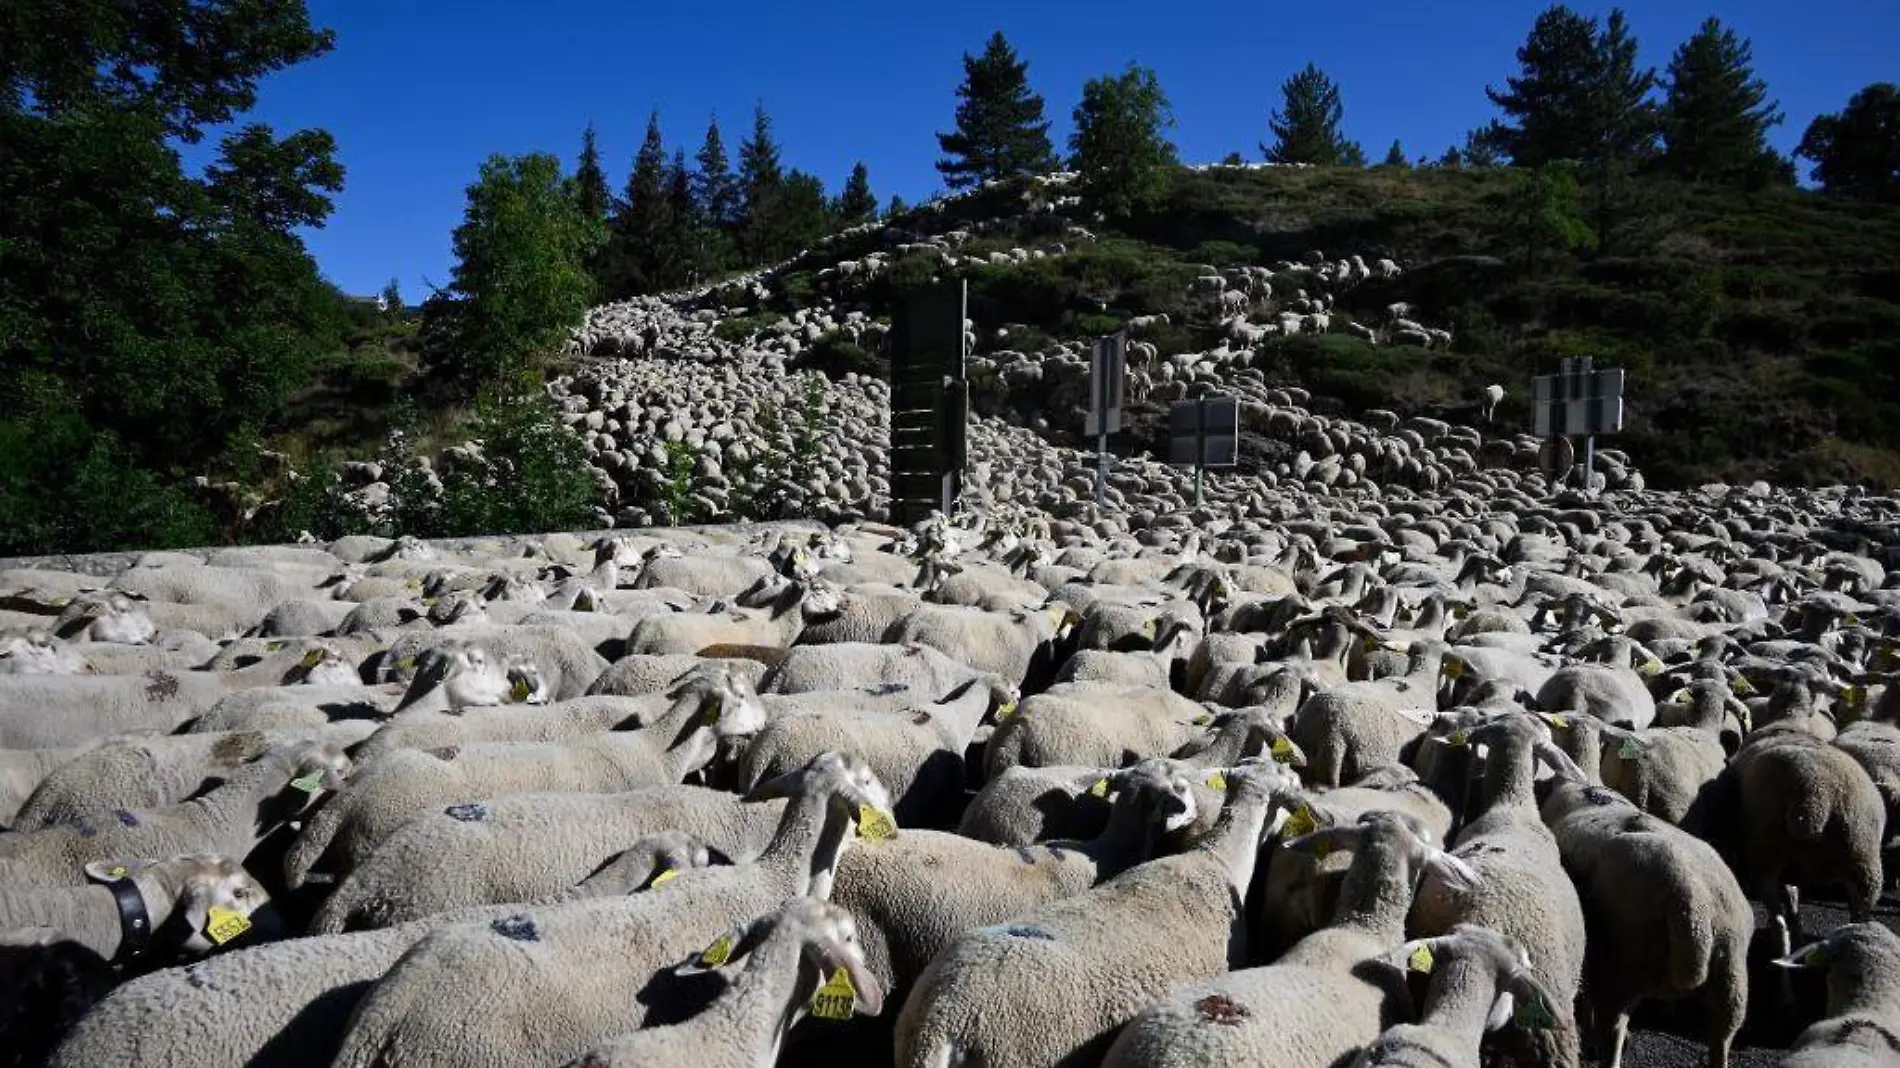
(803, 958)
(284, 1003)
(1524, 893)
(1053, 985)
(785, 611)
(1481, 982)
(1091, 725)
(230, 820)
(303, 709)
(567, 663)
(909, 912)
(40, 653)
(1665, 771)
(1863, 1002)
(1493, 395)
(463, 996)
(911, 667)
(704, 575)
(22, 771)
(1000, 644)
(407, 783)
(916, 752)
(714, 691)
(637, 676)
(180, 906)
(53, 711)
(1664, 916)
(1790, 810)
(153, 772)
(530, 848)
(1317, 1004)
(1357, 726)
(1615, 695)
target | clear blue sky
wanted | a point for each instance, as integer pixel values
(418, 92)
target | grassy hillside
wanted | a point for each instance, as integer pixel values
(1761, 331)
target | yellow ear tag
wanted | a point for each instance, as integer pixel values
(836, 999)
(273, 647)
(1421, 960)
(874, 824)
(1149, 630)
(1100, 789)
(1005, 710)
(522, 691)
(1559, 722)
(117, 871)
(1630, 749)
(1460, 612)
(1299, 823)
(1738, 684)
(310, 783)
(407, 663)
(1203, 720)
(1282, 751)
(1457, 737)
(312, 658)
(1454, 668)
(222, 924)
(1217, 781)
(1652, 666)
(663, 878)
(1056, 615)
(717, 954)
(1856, 697)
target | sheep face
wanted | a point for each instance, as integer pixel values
(471, 680)
(323, 666)
(38, 654)
(121, 620)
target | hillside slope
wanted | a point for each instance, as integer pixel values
(1761, 331)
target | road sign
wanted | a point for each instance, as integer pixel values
(1556, 456)
(1108, 374)
(1577, 401)
(929, 403)
(1204, 433)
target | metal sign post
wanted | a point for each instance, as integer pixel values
(1108, 371)
(1578, 400)
(1204, 433)
(929, 404)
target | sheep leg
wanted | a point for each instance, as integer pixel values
(1725, 1002)
(1618, 1028)
(1863, 892)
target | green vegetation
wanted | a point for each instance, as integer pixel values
(1120, 144)
(1856, 153)
(1306, 129)
(1001, 132)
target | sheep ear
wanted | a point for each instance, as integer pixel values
(1501, 1011)
(111, 871)
(1457, 874)
(1812, 955)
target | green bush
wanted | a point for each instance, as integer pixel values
(741, 329)
(834, 356)
(67, 487)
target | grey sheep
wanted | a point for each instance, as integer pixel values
(1326, 998)
(637, 676)
(1666, 771)
(1004, 644)
(464, 995)
(780, 968)
(907, 910)
(1092, 725)
(1053, 985)
(1352, 728)
(1481, 982)
(177, 894)
(51, 711)
(567, 663)
(1664, 917)
(913, 668)
(230, 820)
(1863, 999)
(783, 612)
(530, 847)
(1524, 892)
(284, 1003)
(916, 751)
(1791, 810)
(141, 773)
(22, 771)
(408, 783)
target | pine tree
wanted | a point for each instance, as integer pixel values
(1001, 132)
(761, 177)
(679, 246)
(1306, 130)
(1353, 155)
(1716, 115)
(1580, 95)
(895, 207)
(1856, 153)
(640, 220)
(590, 181)
(802, 217)
(715, 203)
(857, 204)
(1395, 156)
(1120, 143)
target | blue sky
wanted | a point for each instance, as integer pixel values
(418, 92)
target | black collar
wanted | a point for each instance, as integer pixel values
(135, 924)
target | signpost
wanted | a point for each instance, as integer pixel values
(1204, 433)
(1108, 372)
(1577, 400)
(930, 404)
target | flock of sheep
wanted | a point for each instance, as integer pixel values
(1313, 775)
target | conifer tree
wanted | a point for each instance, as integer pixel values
(1395, 156)
(1001, 132)
(590, 181)
(1120, 144)
(1716, 115)
(857, 204)
(1579, 95)
(634, 257)
(715, 202)
(1306, 128)
(761, 178)
(1856, 152)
